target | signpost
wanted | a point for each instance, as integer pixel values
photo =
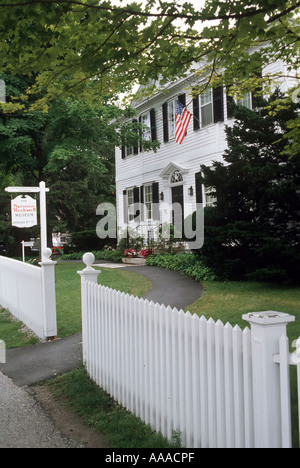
(23, 213)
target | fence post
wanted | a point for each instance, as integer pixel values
(88, 275)
(49, 295)
(266, 330)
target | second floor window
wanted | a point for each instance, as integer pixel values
(206, 107)
(146, 121)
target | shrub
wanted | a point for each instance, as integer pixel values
(185, 263)
(109, 255)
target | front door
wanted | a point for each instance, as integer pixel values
(178, 212)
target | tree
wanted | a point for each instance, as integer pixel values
(254, 230)
(68, 43)
(71, 148)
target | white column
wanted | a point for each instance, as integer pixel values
(49, 294)
(266, 330)
(88, 275)
(43, 219)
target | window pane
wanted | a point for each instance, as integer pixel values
(172, 117)
(206, 97)
(206, 115)
(206, 108)
(130, 204)
(147, 126)
(148, 201)
(246, 101)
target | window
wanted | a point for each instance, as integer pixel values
(148, 198)
(129, 151)
(208, 108)
(169, 110)
(245, 101)
(210, 199)
(130, 204)
(146, 121)
(172, 105)
(206, 105)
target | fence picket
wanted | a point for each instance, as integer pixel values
(248, 389)
(220, 385)
(238, 387)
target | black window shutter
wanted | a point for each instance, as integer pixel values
(153, 125)
(136, 195)
(136, 201)
(155, 200)
(123, 152)
(230, 105)
(165, 122)
(142, 202)
(136, 147)
(218, 104)
(256, 94)
(125, 207)
(198, 183)
(196, 113)
(141, 135)
(182, 99)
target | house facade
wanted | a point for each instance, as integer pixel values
(149, 183)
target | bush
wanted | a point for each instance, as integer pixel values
(185, 263)
(87, 241)
(109, 255)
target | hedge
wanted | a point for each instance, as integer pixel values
(185, 263)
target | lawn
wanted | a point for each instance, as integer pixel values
(68, 292)
(228, 301)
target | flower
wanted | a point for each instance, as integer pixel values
(130, 253)
(145, 252)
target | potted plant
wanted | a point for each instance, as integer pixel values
(130, 253)
(145, 253)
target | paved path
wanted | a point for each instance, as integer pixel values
(21, 418)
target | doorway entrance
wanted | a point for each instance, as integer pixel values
(177, 197)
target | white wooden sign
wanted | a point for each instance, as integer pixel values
(24, 213)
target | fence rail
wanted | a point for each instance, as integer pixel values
(216, 385)
(28, 292)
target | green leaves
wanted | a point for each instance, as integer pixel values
(64, 45)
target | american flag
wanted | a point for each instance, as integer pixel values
(183, 117)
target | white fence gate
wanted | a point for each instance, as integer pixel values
(217, 385)
(29, 293)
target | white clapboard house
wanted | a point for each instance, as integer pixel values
(172, 174)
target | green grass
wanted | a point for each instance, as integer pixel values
(68, 292)
(228, 301)
(97, 409)
(11, 332)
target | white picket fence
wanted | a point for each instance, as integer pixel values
(28, 292)
(216, 385)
